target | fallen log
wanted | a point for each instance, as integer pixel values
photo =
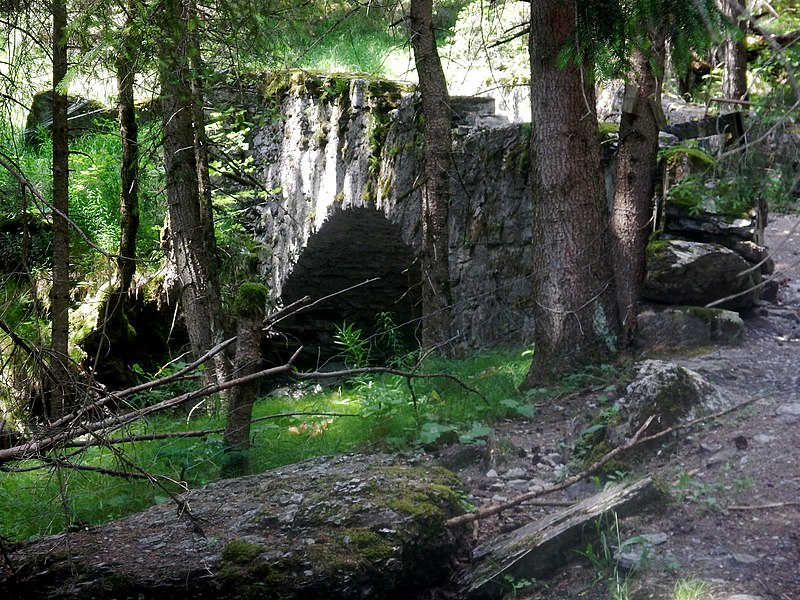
(542, 547)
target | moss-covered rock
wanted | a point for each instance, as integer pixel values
(668, 392)
(686, 327)
(344, 527)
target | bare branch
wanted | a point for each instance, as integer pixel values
(634, 441)
(60, 438)
(146, 437)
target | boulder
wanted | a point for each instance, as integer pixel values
(671, 393)
(83, 116)
(696, 273)
(715, 227)
(345, 527)
(687, 327)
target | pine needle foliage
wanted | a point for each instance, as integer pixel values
(609, 30)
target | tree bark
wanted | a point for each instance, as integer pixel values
(436, 292)
(576, 319)
(129, 171)
(635, 182)
(188, 229)
(252, 303)
(734, 72)
(60, 292)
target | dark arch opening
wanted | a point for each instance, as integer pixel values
(352, 246)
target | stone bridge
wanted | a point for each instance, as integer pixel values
(338, 165)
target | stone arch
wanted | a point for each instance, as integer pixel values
(352, 245)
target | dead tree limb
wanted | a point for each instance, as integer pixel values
(166, 435)
(765, 506)
(59, 438)
(636, 440)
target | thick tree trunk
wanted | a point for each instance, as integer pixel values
(734, 72)
(188, 230)
(250, 321)
(576, 319)
(60, 293)
(129, 171)
(436, 293)
(635, 182)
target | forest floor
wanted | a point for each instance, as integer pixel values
(732, 515)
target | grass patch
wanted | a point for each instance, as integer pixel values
(388, 413)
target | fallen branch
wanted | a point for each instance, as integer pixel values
(765, 506)
(493, 509)
(385, 371)
(148, 437)
(60, 438)
(634, 441)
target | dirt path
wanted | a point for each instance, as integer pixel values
(733, 517)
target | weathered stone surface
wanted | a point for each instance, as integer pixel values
(327, 155)
(755, 254)
(669, 392)
(714, 227)
(347, 527)
(542, 547)
(695, 273)
(687, 326)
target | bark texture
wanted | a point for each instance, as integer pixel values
(576, 320)
(250, 321)
(734, 56)
(436, 292)
(635, 182)
(189, 231)
(129, 171)
(60, 292)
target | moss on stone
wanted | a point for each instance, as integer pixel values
(348, 547)
(240, 552)
(656, 246)
(706, 314)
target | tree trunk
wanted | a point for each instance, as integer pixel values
(221, 364)
(576, 319)
(60, 293)
(129, 171)
(734, 72)
(188, 231)
(635, 182)
(250, 312)
(436, 293)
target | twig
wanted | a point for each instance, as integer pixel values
(636, 440)
(493, 509)
(148, 437)
(765, 506)
(59, 438)
(386, 371)
(102, 470)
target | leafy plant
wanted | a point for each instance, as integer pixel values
(517, 585)
(699, 492)
(604, 554)
(356, 347)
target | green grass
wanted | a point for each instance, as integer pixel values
(691, 589)
(386, 416)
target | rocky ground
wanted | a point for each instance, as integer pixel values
(731, 517)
